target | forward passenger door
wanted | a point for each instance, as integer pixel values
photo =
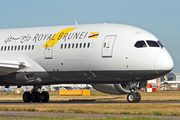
(108, 44)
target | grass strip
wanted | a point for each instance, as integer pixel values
(171, 109)
(74, 118)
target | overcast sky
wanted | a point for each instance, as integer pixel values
(160, 17)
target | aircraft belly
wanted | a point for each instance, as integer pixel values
(77, 77)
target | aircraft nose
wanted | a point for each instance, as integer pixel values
(163, 63)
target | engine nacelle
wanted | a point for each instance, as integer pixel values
(117, 89)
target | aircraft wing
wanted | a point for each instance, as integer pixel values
(10, 66)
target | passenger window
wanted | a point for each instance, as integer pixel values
(152, 43)
(88, 45)
(69, 45)
(25, 47)
(11, 48)
(73, 45)
(1, 48)
(65, 46)
(22, 47)
(29, 47)
(32, 47)
(80, 45)
(61, 46)
(76, 45)
(140, 44)
(84, 45)
(8, 48)
(18, 47)
(15, 47)
(5, 48)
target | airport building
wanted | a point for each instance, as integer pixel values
(158, 83)
(48, 87)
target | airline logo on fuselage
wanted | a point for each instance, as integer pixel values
(52, 39)
(66, 35)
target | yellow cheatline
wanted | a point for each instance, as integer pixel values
(51, 42)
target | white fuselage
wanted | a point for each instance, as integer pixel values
(95, 53)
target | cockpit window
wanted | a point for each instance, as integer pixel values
(140, 44)
(160, 44)
(152, 43)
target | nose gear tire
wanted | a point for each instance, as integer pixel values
(138, 97)
(131, 97)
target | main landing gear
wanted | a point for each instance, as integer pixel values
(35, 96)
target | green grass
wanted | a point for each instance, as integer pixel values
(170, 109)
(102, 108)
(157, 113)
(75, 118)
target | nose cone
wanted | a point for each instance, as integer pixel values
(163, 63)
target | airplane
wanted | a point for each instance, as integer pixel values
(113, 58)
(169, 82)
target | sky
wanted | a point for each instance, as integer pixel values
(160, 17)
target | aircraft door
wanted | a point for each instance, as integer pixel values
(108, 46)
(48, 50)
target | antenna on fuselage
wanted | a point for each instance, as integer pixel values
(76, 22)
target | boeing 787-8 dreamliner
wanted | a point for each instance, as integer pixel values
(113, 58)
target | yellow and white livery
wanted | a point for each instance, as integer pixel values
(114, 58)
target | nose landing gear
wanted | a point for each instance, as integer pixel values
(133, 97)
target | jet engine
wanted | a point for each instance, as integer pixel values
(118, 89)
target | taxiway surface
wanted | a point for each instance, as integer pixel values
(80, 102)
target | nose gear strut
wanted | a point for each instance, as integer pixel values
(134, 96)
